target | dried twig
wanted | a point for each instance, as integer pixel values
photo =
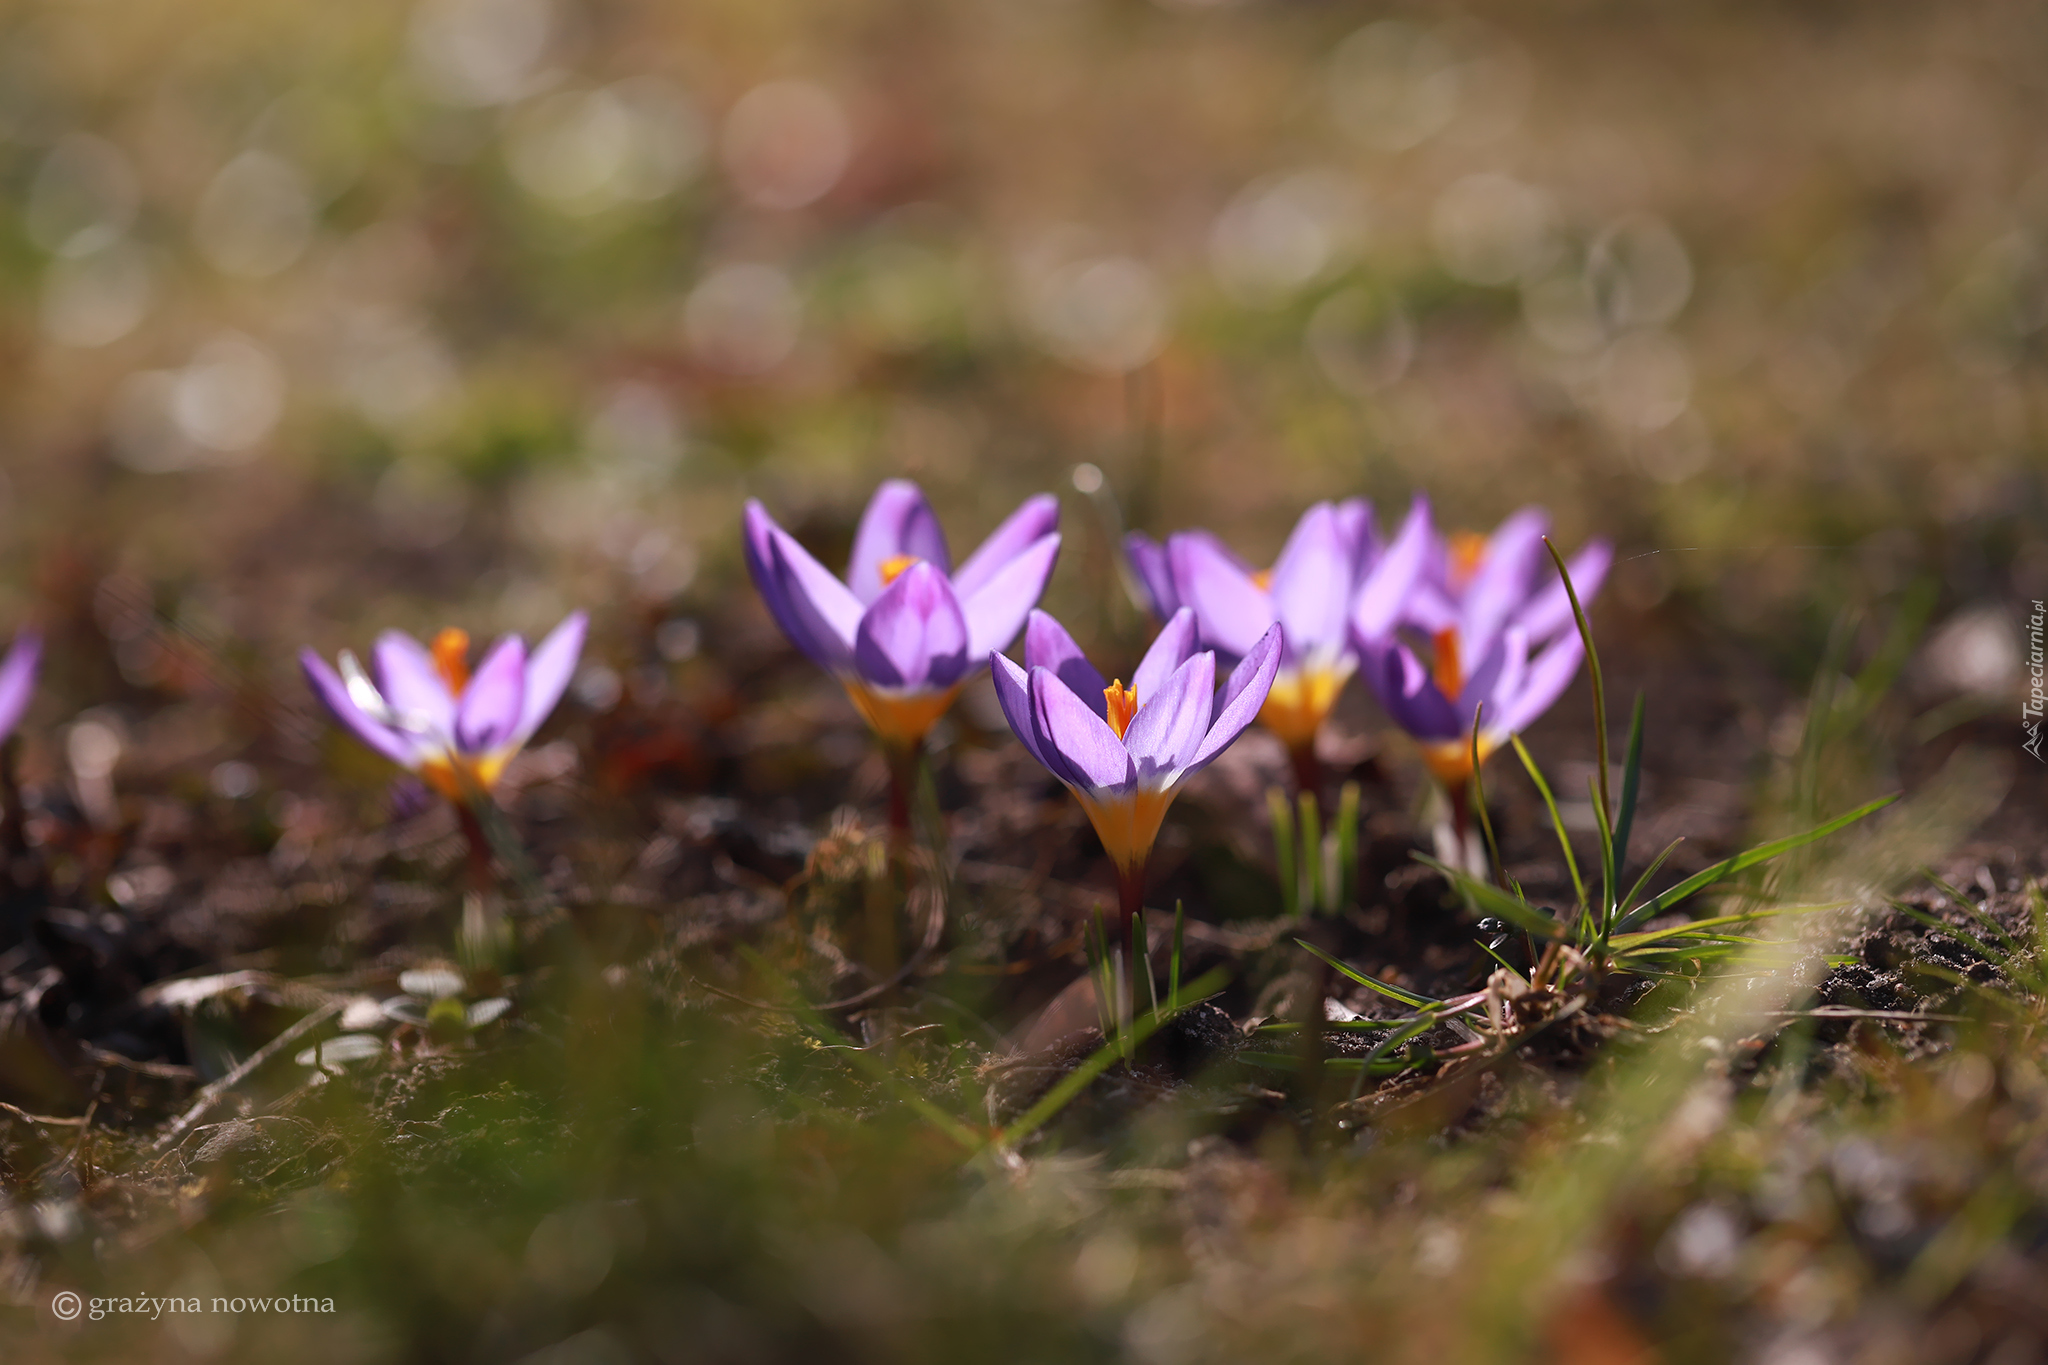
(212, 1094)
(45, 1119)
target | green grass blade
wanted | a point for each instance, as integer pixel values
(1606, 908)
(1492, 900)
(1500, 875)
(1636, 916)
(1631, 786)
(2002, 961)
(1389, 990)
(1762, 853)
(1077, 1080)
(1694, 926)
(1283, 851)
(1974, 911)
(1311, 820)
(1604, 807)
(1347, 845)
(1556, 820)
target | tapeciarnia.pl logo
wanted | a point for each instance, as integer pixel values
(2037, 684)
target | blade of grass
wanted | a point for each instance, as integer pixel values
(1077, 1080)
(1311, 821)
(1631, 787)
(1975, 911)
(1490, 899)
(1283, 851)
(1556, 821)
(1632, 917)
(1500, 875)
(1762, 853)
(1604, 810)
(2003, 961)
(1604, 911)
(1389, 990)
(1347, 846)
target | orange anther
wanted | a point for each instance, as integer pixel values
(1263, 580)
(894, 567)
(451, 658)
(1467, 549)
(1450, 674)
(1123, 704)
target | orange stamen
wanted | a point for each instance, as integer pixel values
(1123, 704)
(1263, 580)
(1450, 674)
(451, 658)
(1467, 549)
(894, 567)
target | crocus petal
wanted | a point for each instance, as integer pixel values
(1172, 722)
(898, 521)
(1081, 749)
(1311, 587)
(996, 609)
(1230, 609)
(333, 694)
(823, 615)
(1354, 524)
(757, 543)
(1172, 647)
(1013, 693)
(487, 717)
(1155, 575)
(1549, 674)
(1243, 695)
(1020, 533)
(1505, 577)
(1047, 645)
(412, 685)
(914, 636)
(1408, 694)
(1549, 612)
(1482, 683)
(1428, 607)
(548, 671)
(18, 679)
(1385, 596)
(1509, 681)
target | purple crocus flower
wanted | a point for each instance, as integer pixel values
(1501, 634)
(18, 679)
(905, 630)
(428, 713)
(1331, 583)
(1124, 751)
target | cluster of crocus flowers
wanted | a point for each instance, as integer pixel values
(18, 679)
(426, 711)
(1125, 751)
(905, 630)
(1333, 588)
(1502, 642)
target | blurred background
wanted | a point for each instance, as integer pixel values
(322, 319)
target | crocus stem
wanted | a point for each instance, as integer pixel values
(902, 759)
(481, 877)
(882, 892)
(1461, 814)
(1130, 899)
(13, 821)
(1308, 770)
